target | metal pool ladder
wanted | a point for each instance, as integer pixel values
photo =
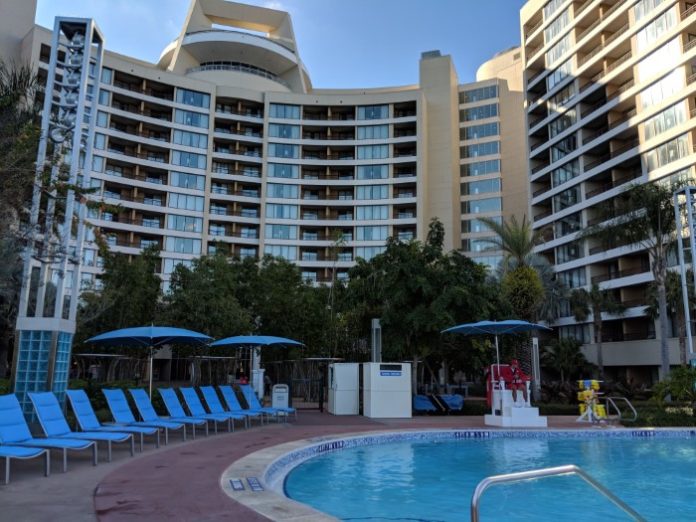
(547, 472)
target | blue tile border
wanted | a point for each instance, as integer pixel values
(276, 472)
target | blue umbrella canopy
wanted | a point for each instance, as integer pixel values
(255, 340)
(149, 337)
(495, 327)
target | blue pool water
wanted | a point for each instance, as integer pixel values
(434, 481)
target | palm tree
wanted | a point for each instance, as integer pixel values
(516, 240)
(675, 306)
(596, 301)
(645, 218)
(564, 356)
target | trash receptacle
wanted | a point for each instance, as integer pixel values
(280, 396)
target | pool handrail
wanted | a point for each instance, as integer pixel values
(569, 469)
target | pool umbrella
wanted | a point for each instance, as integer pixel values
(255, 340)
(495, 328)
(149, 337)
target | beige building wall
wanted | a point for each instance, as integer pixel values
(16, 19)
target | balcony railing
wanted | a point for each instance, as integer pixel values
(611, 155)
(621, 273)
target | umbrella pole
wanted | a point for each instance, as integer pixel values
(150, 364)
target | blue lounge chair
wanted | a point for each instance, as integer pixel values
(195, 406)
(215, 406)
(421, 403)
(87, 419)
(19, 452)
(14, 431)
(55, 426)
(176, 410)
(122, 414)
(147, 412)
(233, 403)
(254, 403)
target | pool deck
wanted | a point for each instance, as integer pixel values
(181, 481)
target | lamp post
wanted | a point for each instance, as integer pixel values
(48, 299)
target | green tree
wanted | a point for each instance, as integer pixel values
(675, 307)
(202, 298)
(129, 296)
(564, 357)
(594, 302)
(19, 137)
(645, 217)
(522, 288)
(516, 240)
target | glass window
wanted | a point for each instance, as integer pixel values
(368, 253)
(190, 181)
(185, 201)
(481, 187)
(481, 93)
(107, 75)
(373, 171)
(480, 149)
(480, 168)
(559, 100)
(281, 232)
(551, 7)
(563, 122)
(556, 27)
(562, 148)
(373, 112)
(281, 130)
(568, 252)
(666, 87)
(565, 173)
(667, 153)
(567, 225)
(373, 151)
(652, 32)
(474, 226)
(278, 190)
(573, 278)
(283, 150)
(479, 131)
(643, 7)
(97, 164)
(199, 99)
(373, 132)
(184, 223)
(189, 159)
(284, 251)
(479, 113)
(665, 120)
(276, 211)
(372, 192)
(104, 97)
(372, 212)
(102, 119)
(281, 170)
(288, 112)
(99, 141)
(377, 233)
(479, 206)
(183, 245)
(663, 59)
(195, 119)
(190, 139)
(559, 74)
(558, 50)
(567, 198)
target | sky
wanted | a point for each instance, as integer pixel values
(343, 43)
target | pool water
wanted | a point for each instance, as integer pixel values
(434, 481)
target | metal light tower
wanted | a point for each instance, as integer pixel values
(50, 284)
(684, 209)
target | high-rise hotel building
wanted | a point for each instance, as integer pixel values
(225, 146)
(610, 101)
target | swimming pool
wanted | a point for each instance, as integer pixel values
(432, 479)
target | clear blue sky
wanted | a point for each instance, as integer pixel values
(343, 43)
